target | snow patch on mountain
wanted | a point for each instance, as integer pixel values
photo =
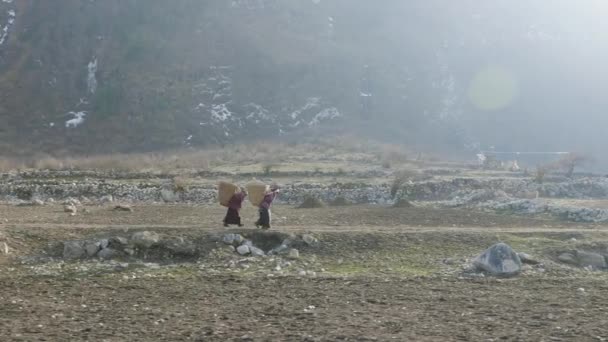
(7, 26)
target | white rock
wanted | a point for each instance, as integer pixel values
(243, 250)
(294, 254)
(256, 251)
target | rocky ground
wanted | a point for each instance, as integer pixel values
(457, 253)
(360, 273)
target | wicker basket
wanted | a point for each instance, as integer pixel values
(256, 192)
(225, 191)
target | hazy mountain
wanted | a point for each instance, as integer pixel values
(121, 75)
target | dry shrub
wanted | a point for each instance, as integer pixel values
(541, 172)
(570, 162)
(400, 179)
(267, 169)
(180, 184)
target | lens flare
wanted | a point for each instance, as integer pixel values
(493, 88)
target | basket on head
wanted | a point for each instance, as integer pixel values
(225, 191)
(257, 190)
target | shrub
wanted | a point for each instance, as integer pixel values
(180, 184)
(401, 178)
(267, 169)
(541, 172)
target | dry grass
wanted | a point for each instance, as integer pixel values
(269, 154)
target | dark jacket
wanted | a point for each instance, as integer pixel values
(267, 201)
(236, 201)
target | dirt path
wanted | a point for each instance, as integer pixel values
(320, 229)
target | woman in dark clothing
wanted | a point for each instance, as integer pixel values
(265, 215)
(234, 206)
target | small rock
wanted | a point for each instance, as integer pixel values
(145, 239)
(129, 251)
(449, 261)
(310, 240)
(256, 251)
(580, 290)
(117, 242)
(73, 202)
(246, 242)
(123, 207)
(70, 209)
(4, 248)
(527, 259)
(293, 254)
(243, 250)
(37, 202)
(302, 273)
(106, 199)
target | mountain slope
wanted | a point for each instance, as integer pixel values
(123, 75)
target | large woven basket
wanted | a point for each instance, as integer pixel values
(225, 191)
(256, 192)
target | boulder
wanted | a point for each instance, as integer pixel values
(256, 251)
(104, 243)
(168, 195)
(238, 239)
(145, 239)
(228, 239)
(74, 250)
(499, 260)
(233, 239)
(92, 248)
(594, 260)
(243, 250)
(108, 253)
(116, 242)
(591, 260)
